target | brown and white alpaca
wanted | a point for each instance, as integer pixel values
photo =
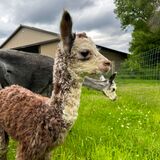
(39, 124)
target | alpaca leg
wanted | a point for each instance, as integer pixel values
(26, 152)
(46, 156)
(20, 153)
(3, 144)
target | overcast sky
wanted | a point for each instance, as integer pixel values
(95, 17)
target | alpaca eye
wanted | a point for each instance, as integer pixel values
(84, 55)
(113, 89)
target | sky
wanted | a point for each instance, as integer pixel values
(95, 17)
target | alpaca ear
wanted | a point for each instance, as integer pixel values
(66, 31)
(112, 77)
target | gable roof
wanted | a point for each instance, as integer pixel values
(111, 50)
(51, 33)
(28, 27)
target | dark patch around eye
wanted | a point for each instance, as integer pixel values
(9, 71)
(113, 89)
(85, 53)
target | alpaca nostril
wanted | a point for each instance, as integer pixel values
(107, 63)
(115, 98)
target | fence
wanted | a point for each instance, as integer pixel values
(143, 66)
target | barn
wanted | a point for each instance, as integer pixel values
(39, 41)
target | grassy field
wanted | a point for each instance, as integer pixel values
(127, 129)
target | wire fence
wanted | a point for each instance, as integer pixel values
(142, 66)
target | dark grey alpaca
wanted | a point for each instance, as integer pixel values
(34, 72)
(30, 70)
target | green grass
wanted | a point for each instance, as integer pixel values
(127, 129)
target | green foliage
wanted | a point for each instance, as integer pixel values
(130, 68)
(143, 17)
(131, 64)
(144, 65)
(144, 41)
(126, 129)
(154, 22)
(135, 13)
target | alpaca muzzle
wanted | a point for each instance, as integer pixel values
(105, 65)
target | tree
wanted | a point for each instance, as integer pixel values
(154, 21)
(144, 41)
(135, 13)
(143, 17)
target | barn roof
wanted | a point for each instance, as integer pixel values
(111, 50)
(28, 27)
(54, 34)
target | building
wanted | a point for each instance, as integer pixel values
(117, 57)
(31, 39)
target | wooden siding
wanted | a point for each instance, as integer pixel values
(116, 58)
(49, 49)
(27, 36)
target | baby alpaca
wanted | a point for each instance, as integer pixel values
(39, 124)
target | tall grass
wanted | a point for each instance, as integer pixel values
(127, 129)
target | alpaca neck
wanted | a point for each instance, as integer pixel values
(66, 93)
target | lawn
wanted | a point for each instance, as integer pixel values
(126, 129)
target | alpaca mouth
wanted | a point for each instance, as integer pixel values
(104, 69)
(98, 71)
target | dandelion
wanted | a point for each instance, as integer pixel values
(140, 123)
(122, 126)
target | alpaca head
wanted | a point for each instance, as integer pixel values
(83, 56)
(110, 89)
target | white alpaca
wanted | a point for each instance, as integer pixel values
(38, 123)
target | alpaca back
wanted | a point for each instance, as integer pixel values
(21, 117)
(31, 120)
